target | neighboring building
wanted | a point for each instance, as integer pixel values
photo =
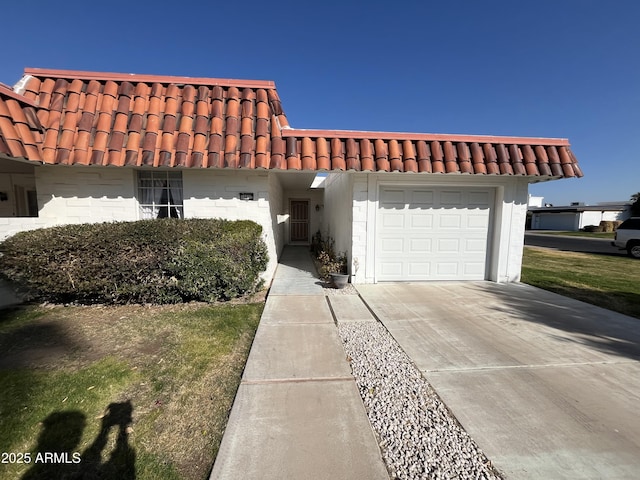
(95, 147)
(535, 201)
(576, 216)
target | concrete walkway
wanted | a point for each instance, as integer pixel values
(548, 387)
(298, 413)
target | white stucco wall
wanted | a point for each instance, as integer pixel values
(276, 207)
(86, 195)
(360, 227)
(555, 221)
(594, 218)
(78, 195)
(508, 230)
(215, 194)
(338, 211)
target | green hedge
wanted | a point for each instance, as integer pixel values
(149, 261)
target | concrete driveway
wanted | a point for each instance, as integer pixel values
(547, 386)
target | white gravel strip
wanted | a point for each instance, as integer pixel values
(419, 437)
(348, 289)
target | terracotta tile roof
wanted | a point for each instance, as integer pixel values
(429, 153)
(120, 119)
(20, 130)
(93, 118)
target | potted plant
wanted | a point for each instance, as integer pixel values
(330, 266)
(338, 271)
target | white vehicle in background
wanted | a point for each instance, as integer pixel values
(628, 237)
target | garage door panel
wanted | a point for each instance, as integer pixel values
(420, 245)
(446, 269)
(392, 245)
(392, 196)
(475, 245)
(418, 269)
(450, 198)
(421, 197)
(478, 220)
(441, 234)
(448, 245)
(390, 220)
(393, 270)
(450, 220)
(421, 220)
(479, 199)
(473, 269)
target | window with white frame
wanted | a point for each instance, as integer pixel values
(160, 194)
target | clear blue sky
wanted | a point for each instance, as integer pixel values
(548, 68)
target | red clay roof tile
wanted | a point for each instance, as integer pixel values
(395, 164)
(381, 152)
(121, 119)
(352, 162)
(308, 154)
(515, 157)
(464, 160)
(409, 154)
(322, 154)
(292, 158)
(366, 155)
(337, 154)
(554, 161)
(277, 153)
(423, 154)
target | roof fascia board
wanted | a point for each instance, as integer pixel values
(34, 163)
(443, 137)
(134, 77)
(16, 96)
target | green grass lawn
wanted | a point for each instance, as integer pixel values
(612, 282)
(134, 392)
(610, 235)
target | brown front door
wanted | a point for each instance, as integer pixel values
(299, 220)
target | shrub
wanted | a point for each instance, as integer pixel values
(607, 226)
(149, 261)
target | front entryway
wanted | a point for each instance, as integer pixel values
(299, 221)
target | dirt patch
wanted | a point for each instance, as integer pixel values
(43, 343)
(61, 339)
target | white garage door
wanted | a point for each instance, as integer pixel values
(432, 233)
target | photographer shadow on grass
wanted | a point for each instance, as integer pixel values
(56, 456)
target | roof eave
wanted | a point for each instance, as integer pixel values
(5, 156)
(5, 90)
(143, 78)
(362, 134)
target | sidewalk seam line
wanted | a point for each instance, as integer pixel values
(512, 367)
(296, 380)
(333, 314)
